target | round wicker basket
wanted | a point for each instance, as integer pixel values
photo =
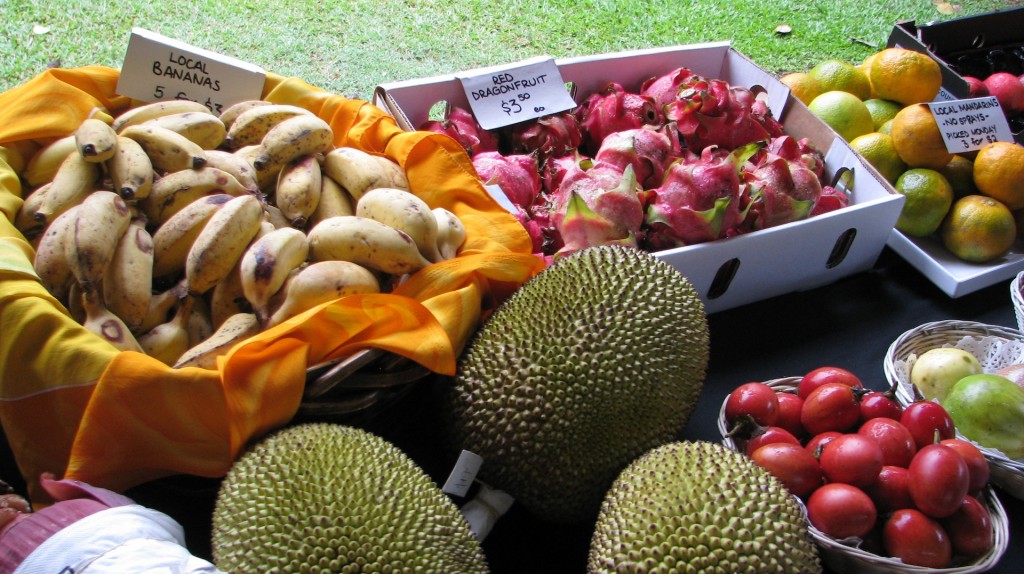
(1017, 296)
(994, 346)
(845, 557)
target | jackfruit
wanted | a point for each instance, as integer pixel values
(322, 497)
(700, 507)
(598, 358)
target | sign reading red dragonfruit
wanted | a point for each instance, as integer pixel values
(504, 95)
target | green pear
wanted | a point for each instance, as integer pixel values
(989, 409)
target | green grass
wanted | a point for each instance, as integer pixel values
(350, 46)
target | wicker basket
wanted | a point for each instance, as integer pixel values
(988, 343)
(1017, 296)
(845, 558)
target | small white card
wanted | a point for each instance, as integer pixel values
(971, 124)
(159, 68)
(463, 474)
(504, 95)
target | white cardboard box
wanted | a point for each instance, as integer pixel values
(729, 272)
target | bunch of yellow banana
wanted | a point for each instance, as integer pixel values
(176, 232)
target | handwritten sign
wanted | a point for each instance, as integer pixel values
(971, 124)
(506, 95)
(158, 68)
(463, 473)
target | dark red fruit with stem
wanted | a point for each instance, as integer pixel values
(880, 404)
(832, 406)
(891, 490)
(977, 464)
(796, 468)
(897, 444)
(928, 421)
(852, 459)
(768, 435)
(841, 510)
(939, 480)
(823, 375)
(970, 528)
(916, 539)
(819, 440)
(790, 406)
(755, 399)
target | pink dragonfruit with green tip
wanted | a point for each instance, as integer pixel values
(554, 169)
(781, 189)
(612, 110)
(553, 135)
(648, 150)
(598, 206)
(460, 124)
(517, 175)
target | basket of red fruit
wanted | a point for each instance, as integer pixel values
(882, 492)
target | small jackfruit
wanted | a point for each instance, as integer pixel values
(320, 497)
(595, 360)
(700, 507)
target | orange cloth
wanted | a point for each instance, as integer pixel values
(73, 405)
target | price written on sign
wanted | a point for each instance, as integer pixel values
(971, 124)
(506, 95)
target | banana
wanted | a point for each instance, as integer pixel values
(222, 242)
(169, 340)
(74, 181)
(160, 306)
(108, 326)
(405, 211)
(334, 200)
(25, 220)
(146, 112)
(173, 239)
(199, 323)
(231, 113)
(267, 262)
(266, 178)
(252, 125)
(358, 171)
(203, 128)
(319, 283)
(304, 134)
(131, 170)
(367, 242)
(275, 217)
(51, 262)
(90, 244)
(233, 330)
(96, 140)
(227, 298)
(236, 165)
(298, 189)
(128, 282)
(43, 164)
(172, 192)
(451, 234)
(167, 149)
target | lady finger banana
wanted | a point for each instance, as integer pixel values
(405, 211)
(96, 140)
(168, 341)
(451, 234)
(304, 134)
(128, 282)
(298, 189)
(231, 113)
(358, 171)
(240, 168)
(131, 171)
(99, 223)
(203, 128)
(222, 242)
(160, 306)
(74, 181)
(252, 125)
(367, 242)
(227, 298)
(267, 263)
(233, 330)
(106, 324)
(275, 217)
(147, 112)
(167, 149)
(199, 323)
(334, 200)
(43, 164)
(266, 178)
(173, 239)
(25, 220)
(319, 283)
(51, 262)
(172, 192)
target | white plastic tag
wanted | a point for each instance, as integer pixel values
(159, 68)
(504, 95)
(971, 124)
(463, 474)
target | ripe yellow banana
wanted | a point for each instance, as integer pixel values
(267, 262)
(51, 261)
(358, 171)
(367, 242)
(275, 217)
(128, 282)
(304, 134)
(451, 234)
(146, 112)
(74, 181)
(43, 164)
(108, 326)
(199, 323)
(160, 306)
(131, 171)
(240, 168)
(100, 222)
(319, 283)
(227, 298)
(173, 239)
(298, 189)
(172, 192)
(231, 113)
(404, 211)
(252, 125)
(169, 340)
(233, 330)
(266, 178)
(334, 200)
(203, 128)
(167, 149)
(222, 242)
(96, 140)
(25, 220)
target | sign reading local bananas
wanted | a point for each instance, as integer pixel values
(158, 68)
(504, 95)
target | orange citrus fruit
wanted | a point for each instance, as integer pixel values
(882, 110)
(928, 199)
(886, 128)
(999, 173)
(802, 85)
(905, 76)
(865, 67)
(842, 76)
(979, 229)
(878, 149)
(843, 112)
(960, 174)
(918, 139)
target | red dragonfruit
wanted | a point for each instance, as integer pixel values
(517, 175)
(598, 206)
(647, 149)
(613, 110)
(555, 169)
(553, 135)
(460, 124)
(781, 190)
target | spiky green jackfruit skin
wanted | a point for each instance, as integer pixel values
(322, 497)
(592, 362)
(699, 507)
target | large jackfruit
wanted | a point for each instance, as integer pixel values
(321, 497)
(597, 359)
(700, 507)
